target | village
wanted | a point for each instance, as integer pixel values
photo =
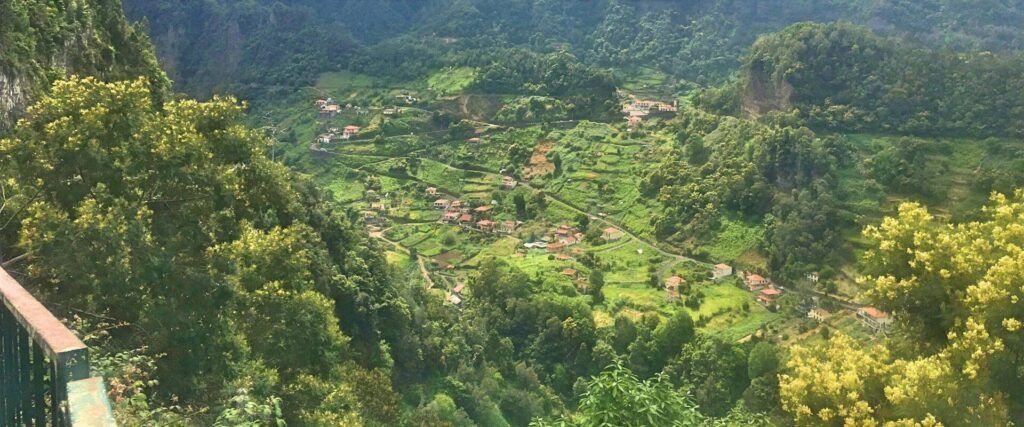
(452, 225)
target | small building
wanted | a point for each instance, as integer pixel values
(563, 230)
(508, 227)
(350, 131)
(324, 138)
(459, 288)
(481, 210)
(555, 247)
(329, 111)
(634, 121)
(755, 282)
(571, 273)
(454, 299)
(485, 225)
(450, 217)
(611, 234)
(377, 206)
(819, 314)
(473, 140)
(465, 219)
(563, 257)
(431, 191)
(767, 296)
(875, 319)
(813, 277)
(721, 271)
(442, 204)
(568, 240)
(456, 204)
(390, 111)
(672, 287)
(508, 183)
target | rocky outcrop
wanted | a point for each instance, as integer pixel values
(761, 93)
(13, 97)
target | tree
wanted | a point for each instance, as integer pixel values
(714, 370)
(582, 221)
(763, 360)
(234, 270)
(596, 285)
(671, 335)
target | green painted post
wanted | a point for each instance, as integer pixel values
(38, 387)
(10, 359)
(5, 320)
(24, 376)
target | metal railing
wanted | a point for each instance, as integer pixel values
(44, 368)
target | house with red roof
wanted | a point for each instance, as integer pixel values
(611, 234)
(767, 296)
(556, 247)
(485, 225)
(875, 319)
(571, 273)
(755, 282)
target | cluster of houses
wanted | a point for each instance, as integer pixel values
(874, 319)
(672, 284)
(478, 218)
(376, 214)
(334, 134)
(767, 292)
(455, 297)
(636, 110)
(327, 108)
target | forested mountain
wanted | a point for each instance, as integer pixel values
(843, 77)
(233, 45)
(525, 212)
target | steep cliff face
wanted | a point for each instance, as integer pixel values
(13, 97)
(761, 93)
(45, 40)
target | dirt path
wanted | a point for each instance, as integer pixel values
(403, 249)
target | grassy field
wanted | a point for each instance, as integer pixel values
(450, 81)
(733, 238)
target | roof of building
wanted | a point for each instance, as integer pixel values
(770, 292)
(569, 272)
(466, 218)
(441, 201)
(612, 230)
(459, 287)
(674, 281)
(483, 208)
(755, 278)
(722, 265)
(874, 312)
(485, 223)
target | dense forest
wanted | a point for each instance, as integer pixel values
(224, 45)
(234, 260)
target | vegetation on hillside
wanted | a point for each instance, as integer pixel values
(316, 270)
